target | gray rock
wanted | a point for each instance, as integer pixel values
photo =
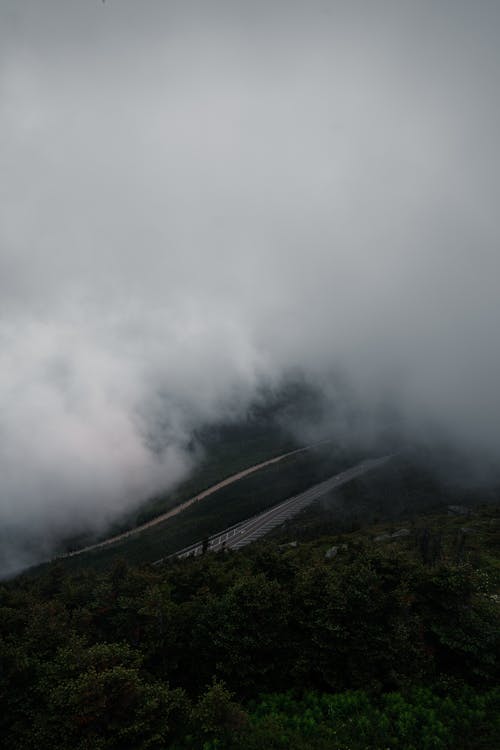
(382, 538)
(458, 510)
(331, 553)
(400, 533)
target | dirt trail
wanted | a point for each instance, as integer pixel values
(196, 498)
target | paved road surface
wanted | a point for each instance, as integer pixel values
(258, 526)
(200, 496)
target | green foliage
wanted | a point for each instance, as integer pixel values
(216, 712)
(421, 720)
(373, 649)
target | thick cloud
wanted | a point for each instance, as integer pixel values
(196, 196)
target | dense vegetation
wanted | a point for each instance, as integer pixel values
(388, 644)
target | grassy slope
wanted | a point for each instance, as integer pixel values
(223, 458)
(396, 493)
(226, 507)
(400, 492)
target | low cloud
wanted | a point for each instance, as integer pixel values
(196, 200)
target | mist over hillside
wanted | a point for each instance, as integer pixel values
(203, 201)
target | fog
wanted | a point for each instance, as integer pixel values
(197, 197)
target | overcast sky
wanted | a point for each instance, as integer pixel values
(199, 195)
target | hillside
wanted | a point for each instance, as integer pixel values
(406, 486)
(389, 642)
